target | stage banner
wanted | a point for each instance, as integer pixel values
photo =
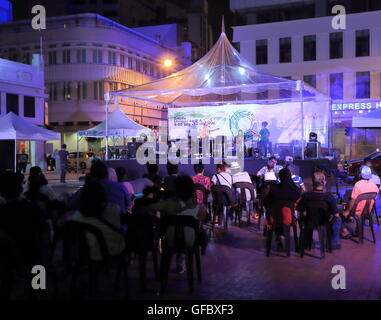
(284, 121)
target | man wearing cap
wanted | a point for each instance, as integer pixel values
(365, 185)
(240, 176)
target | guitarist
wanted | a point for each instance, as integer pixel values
(265, 139)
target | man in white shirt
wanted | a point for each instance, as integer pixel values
(240, 176)
(222, 177)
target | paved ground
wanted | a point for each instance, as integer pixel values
(235, 267)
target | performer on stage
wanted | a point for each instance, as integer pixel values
(264, 143)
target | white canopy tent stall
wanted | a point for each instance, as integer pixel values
(13, 127)
(116, 125)
(222, 81)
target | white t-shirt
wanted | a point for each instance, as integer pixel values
(223, 179)
(242, 177)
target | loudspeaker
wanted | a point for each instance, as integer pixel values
(313, 137)
(312, 150)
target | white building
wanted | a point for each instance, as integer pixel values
(22, 91)
(87, 55)
(344, 64)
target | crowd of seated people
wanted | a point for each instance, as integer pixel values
(28, 216)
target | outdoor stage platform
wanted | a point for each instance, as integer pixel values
(136, 170)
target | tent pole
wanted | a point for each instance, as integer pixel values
(302, 114)
(107, 100)
(15, 160)
(77, 156)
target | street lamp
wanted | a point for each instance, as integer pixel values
(168, 63)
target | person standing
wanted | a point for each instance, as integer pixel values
(265, 140)
(22, 161)
(63, 155)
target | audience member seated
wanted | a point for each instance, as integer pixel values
(38, 184)
(284, 192)
(222, 177)
(268, 172)
(151, 195)
(201, 179)
(117, 194)
(225, 179)
(112, 175)
(168, 185)
(21, 220)
(365, 185)
(318, 193)
(183, 204)
(95, 210)
(240, 176)
(297, 179)
(153, 174)
(122, 174)
(275, 168)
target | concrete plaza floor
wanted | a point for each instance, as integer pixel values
(235, 267)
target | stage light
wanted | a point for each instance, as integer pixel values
(241, 71)
(168, 63)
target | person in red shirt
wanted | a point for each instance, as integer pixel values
(201, 179)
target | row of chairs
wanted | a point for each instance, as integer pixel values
(316, 211)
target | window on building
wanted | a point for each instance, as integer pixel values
(81, 56)
(309, 45)
(84, 90)
(336, 45)
(113, 86)
(261, 51)
(98, 90)
(26, 58)
(29, 107)
(138, 68)
(112, 58)
(97, 57)
(52, 91)
(66, 56)
(362, 85)
(67, 91)
(285, 50)
(129, 62)
(336, 90)
(310, 79)
(145, 69)
(362, 43)
(53, 57)
(12, 103)
(122, 60)
(79, 90)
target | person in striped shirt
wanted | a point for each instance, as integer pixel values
(297, 179)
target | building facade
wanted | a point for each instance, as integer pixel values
(344, 64)
(190, 16)
(22, 91)
(85, 56)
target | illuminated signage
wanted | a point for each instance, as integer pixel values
(353, 106)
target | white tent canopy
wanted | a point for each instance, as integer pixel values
(119, 125)
(13, 127)
(368, 120)
(220, 76)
